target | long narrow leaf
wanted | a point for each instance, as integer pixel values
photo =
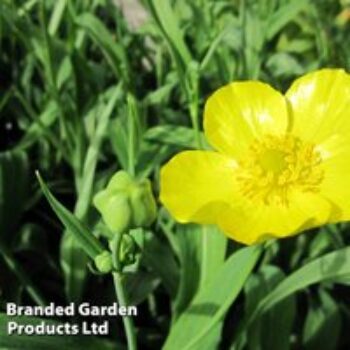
(86, 239)
(211, 303)
(113, 51)
(331, 266)
(167, 21)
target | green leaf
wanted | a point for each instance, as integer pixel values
(284, 65)
(118, 137)
(284, 15)
(41, 125)
(85, 183)
(152, 156)
(173, 135)
(112, 50)
(202, 252)
(73, 259)
(323, 324)
(212, 302)
(160, 95)
(44, 342)
(22, 275)
(280, 318)
(160, 258)
(88, 242)
(167, 21)
(57, 15)
(253, 40)
(334, 265)
(139, 286)
(189, 241)
(231, 31)
(13, 191)
(213, 250)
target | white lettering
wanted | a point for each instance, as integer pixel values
(11, 327)
(95, 329)
(132, 311)
(84, 309)
(11, 309)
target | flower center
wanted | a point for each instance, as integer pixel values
(273, 160)
(275, 165)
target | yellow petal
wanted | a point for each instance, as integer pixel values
(240, 112)
(197, 185)
(320, 103)
(335, 184)
(250, 224)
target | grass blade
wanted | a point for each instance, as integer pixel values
(167, 22)
(284, 15)
(86, 239)
(112, 50)
(331, 266)
(211, 303)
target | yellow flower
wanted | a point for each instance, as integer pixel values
(281, 163)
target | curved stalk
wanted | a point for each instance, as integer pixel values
(120, 293)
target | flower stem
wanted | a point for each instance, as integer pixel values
(192, 92)
(127, 320)
(133, 121)
(195, 123)
(120, 292)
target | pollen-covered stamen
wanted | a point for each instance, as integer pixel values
(275, 165)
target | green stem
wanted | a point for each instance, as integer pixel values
(51, 75)
(120, 293)
(195, 123)
(132, 121)
(192, 92)
(127, 320)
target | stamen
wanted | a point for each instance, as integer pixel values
(276, 165)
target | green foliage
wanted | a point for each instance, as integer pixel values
(13, 192)
(280, 318)
(85, 93)
(211, 301)
(86, 240)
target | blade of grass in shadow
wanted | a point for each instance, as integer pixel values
(334, 267)
(114, 52)
(26, 282)
(13, 198)
(330, 266)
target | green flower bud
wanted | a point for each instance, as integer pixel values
(143, 205)
(126, 203)
(115, 209)
(104, 262)
(120, 181)
(128, 250)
